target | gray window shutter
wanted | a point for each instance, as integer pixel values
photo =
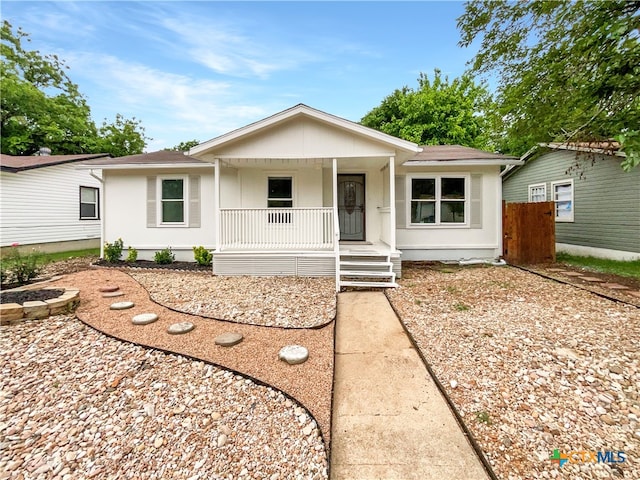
(476, 201)
(194, 201)
(401, 202)
(151, 202)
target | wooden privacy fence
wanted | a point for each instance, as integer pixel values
(529, 232)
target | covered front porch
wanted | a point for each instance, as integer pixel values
(338, 212)
(292, 187)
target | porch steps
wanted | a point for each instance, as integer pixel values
(367, 270)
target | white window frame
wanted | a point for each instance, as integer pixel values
(568, 218)
(438, 178)
(97, 203)
(185, 200)
(543, 186)
(281, 220)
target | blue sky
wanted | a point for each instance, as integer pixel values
(195, 70)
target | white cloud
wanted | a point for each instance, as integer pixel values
(225, 50)
(171, 106)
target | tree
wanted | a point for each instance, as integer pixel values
(123, 137)
(41, 107)
(438, 112)
(184, 146)
(568, 70)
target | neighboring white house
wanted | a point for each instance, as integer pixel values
(46, 202)
(304, 192)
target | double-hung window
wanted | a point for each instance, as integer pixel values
(563, 198)
(438, 200)
(280, 195)
(538, 192)
(173, 200)
(89, 203)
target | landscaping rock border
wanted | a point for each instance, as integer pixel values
(13, 313)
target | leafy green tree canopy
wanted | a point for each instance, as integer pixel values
(438, 112)
(568, 70)
(184, 146)
(41, 107)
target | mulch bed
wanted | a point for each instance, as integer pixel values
(29, 296)
(181, 266)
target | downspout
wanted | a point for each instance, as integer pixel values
(216, 208)
(103, 205)
(336, 223)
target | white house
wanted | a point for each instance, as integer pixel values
(46, 202)
(304, 192)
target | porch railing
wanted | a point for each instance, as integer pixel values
(277, 228)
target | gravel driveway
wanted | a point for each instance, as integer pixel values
(531, 364)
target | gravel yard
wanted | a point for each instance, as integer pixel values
(77, 404)
(290, 302)
(532, 365)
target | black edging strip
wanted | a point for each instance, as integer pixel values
(127, 271)
(222, 367)
(452, 407)
(565, 282)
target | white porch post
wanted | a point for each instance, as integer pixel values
(336, 223)
(392, 202)
(216, 203)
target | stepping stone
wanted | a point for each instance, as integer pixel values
(112, 294)
(182, 327)
(144, 319)
(121, 305)
(591, 279)
(573, 274)
(293, 354)
(229, 339)
(109, 288)
(559, 270)
(615, 286)
(635, 294)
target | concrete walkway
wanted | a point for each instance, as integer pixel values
(389, 419)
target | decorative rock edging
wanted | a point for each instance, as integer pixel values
(12, 313)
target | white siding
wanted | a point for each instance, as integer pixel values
(307, 187)
(126, 214)
(303, 138)
(453, 243)
(42, 205)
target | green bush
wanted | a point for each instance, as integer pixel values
(132, 255)
(20, 268)
(113, 251)
(202, 256)
(164, 257)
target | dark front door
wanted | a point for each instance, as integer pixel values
(351, 207)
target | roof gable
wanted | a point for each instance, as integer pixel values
(303, 132)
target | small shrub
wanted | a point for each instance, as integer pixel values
(461, 307)
(164, 256)
(113, 251)
(132, 255)
(202, 256)
(21, 268)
